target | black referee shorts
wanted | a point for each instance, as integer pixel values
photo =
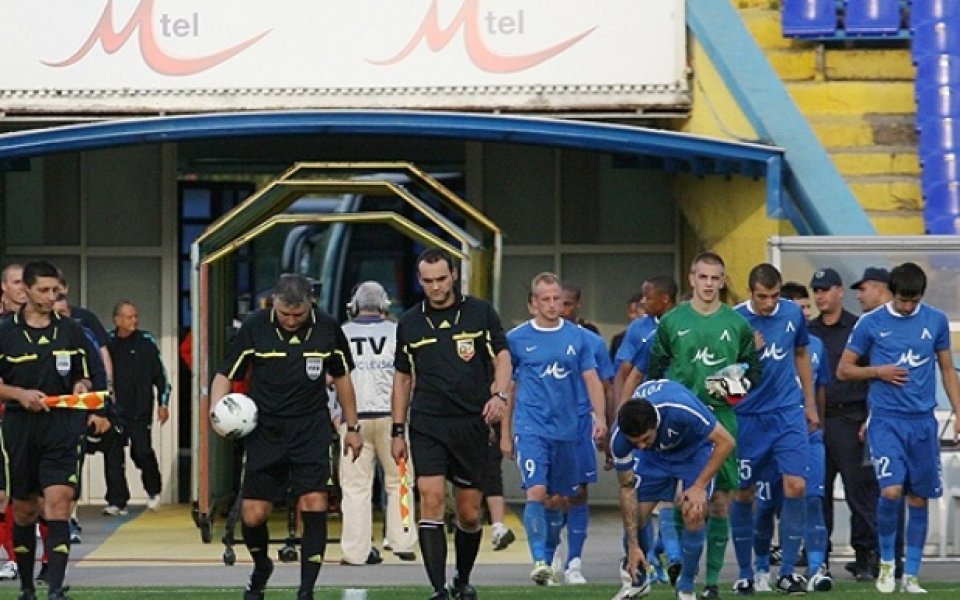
(455, 447)
(288, 451)
(43, 449)
(493, 478)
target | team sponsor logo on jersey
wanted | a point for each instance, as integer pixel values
(466, 349)
(63, 364)
(774, 352)
(912, 360)
(314, 367)
(926, 335)
(706, 357)
(556, 371)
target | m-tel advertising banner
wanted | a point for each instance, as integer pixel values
(525, 55)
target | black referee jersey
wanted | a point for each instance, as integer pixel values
(50, 359)
(289, 368)
(451, 352)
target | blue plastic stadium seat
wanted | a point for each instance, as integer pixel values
(934, 38)
(938, 70)
(872, 17)
(939, 168)
(937, 101)
(809, 18)
(941, 209)
(939, 137)
(924, 11)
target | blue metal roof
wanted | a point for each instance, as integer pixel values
(679, 151)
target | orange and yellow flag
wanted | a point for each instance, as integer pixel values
(88, 401)
(405, 485)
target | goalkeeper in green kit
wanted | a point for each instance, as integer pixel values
(693, 342)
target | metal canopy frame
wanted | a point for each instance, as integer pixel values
(488, 256)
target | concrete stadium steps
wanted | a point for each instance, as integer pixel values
(853, 97)
(851, 131)
(877, 160)
(859, 100)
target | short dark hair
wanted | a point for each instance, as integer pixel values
(907, 280)
(792, 290)
(569, 286)
(764, 274)
(120, 304)
(635, 297)
(33, 270)
(665, 285)
(293, 289)
(435, 255)
(636, 417)
(710, 258)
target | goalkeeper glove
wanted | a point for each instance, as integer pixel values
(729, 383)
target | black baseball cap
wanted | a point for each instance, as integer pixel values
(872, 274)
(825, 279)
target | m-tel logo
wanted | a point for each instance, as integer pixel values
(158, 60)
(475, 27)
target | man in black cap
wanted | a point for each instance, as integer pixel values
(872, 290)
(846, 411)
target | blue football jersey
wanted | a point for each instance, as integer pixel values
(818, 362)
(641, 358)
(547, 368)
(783, 332)
(909, 341)
(638, 330)
(605, 369)
(685, 424)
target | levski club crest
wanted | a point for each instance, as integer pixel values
(465, 349)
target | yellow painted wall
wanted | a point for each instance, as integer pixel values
(728, 216)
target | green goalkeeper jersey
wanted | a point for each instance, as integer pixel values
(690, 346)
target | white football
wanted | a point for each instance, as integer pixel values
(234, 416)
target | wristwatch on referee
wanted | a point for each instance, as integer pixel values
(354, 428)
(502, 395)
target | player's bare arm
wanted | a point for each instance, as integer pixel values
(849, 370)
(399, 407)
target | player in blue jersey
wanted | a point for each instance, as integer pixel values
(577, 517)
(770, 486)
(903, 340)
(552, 358)
(664, 436)
(773, 423)
(659, 296)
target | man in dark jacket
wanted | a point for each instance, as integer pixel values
(845, 413)
(139, 378)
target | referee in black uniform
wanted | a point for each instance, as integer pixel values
(457, 348)
(291, 347)
(42, 354)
